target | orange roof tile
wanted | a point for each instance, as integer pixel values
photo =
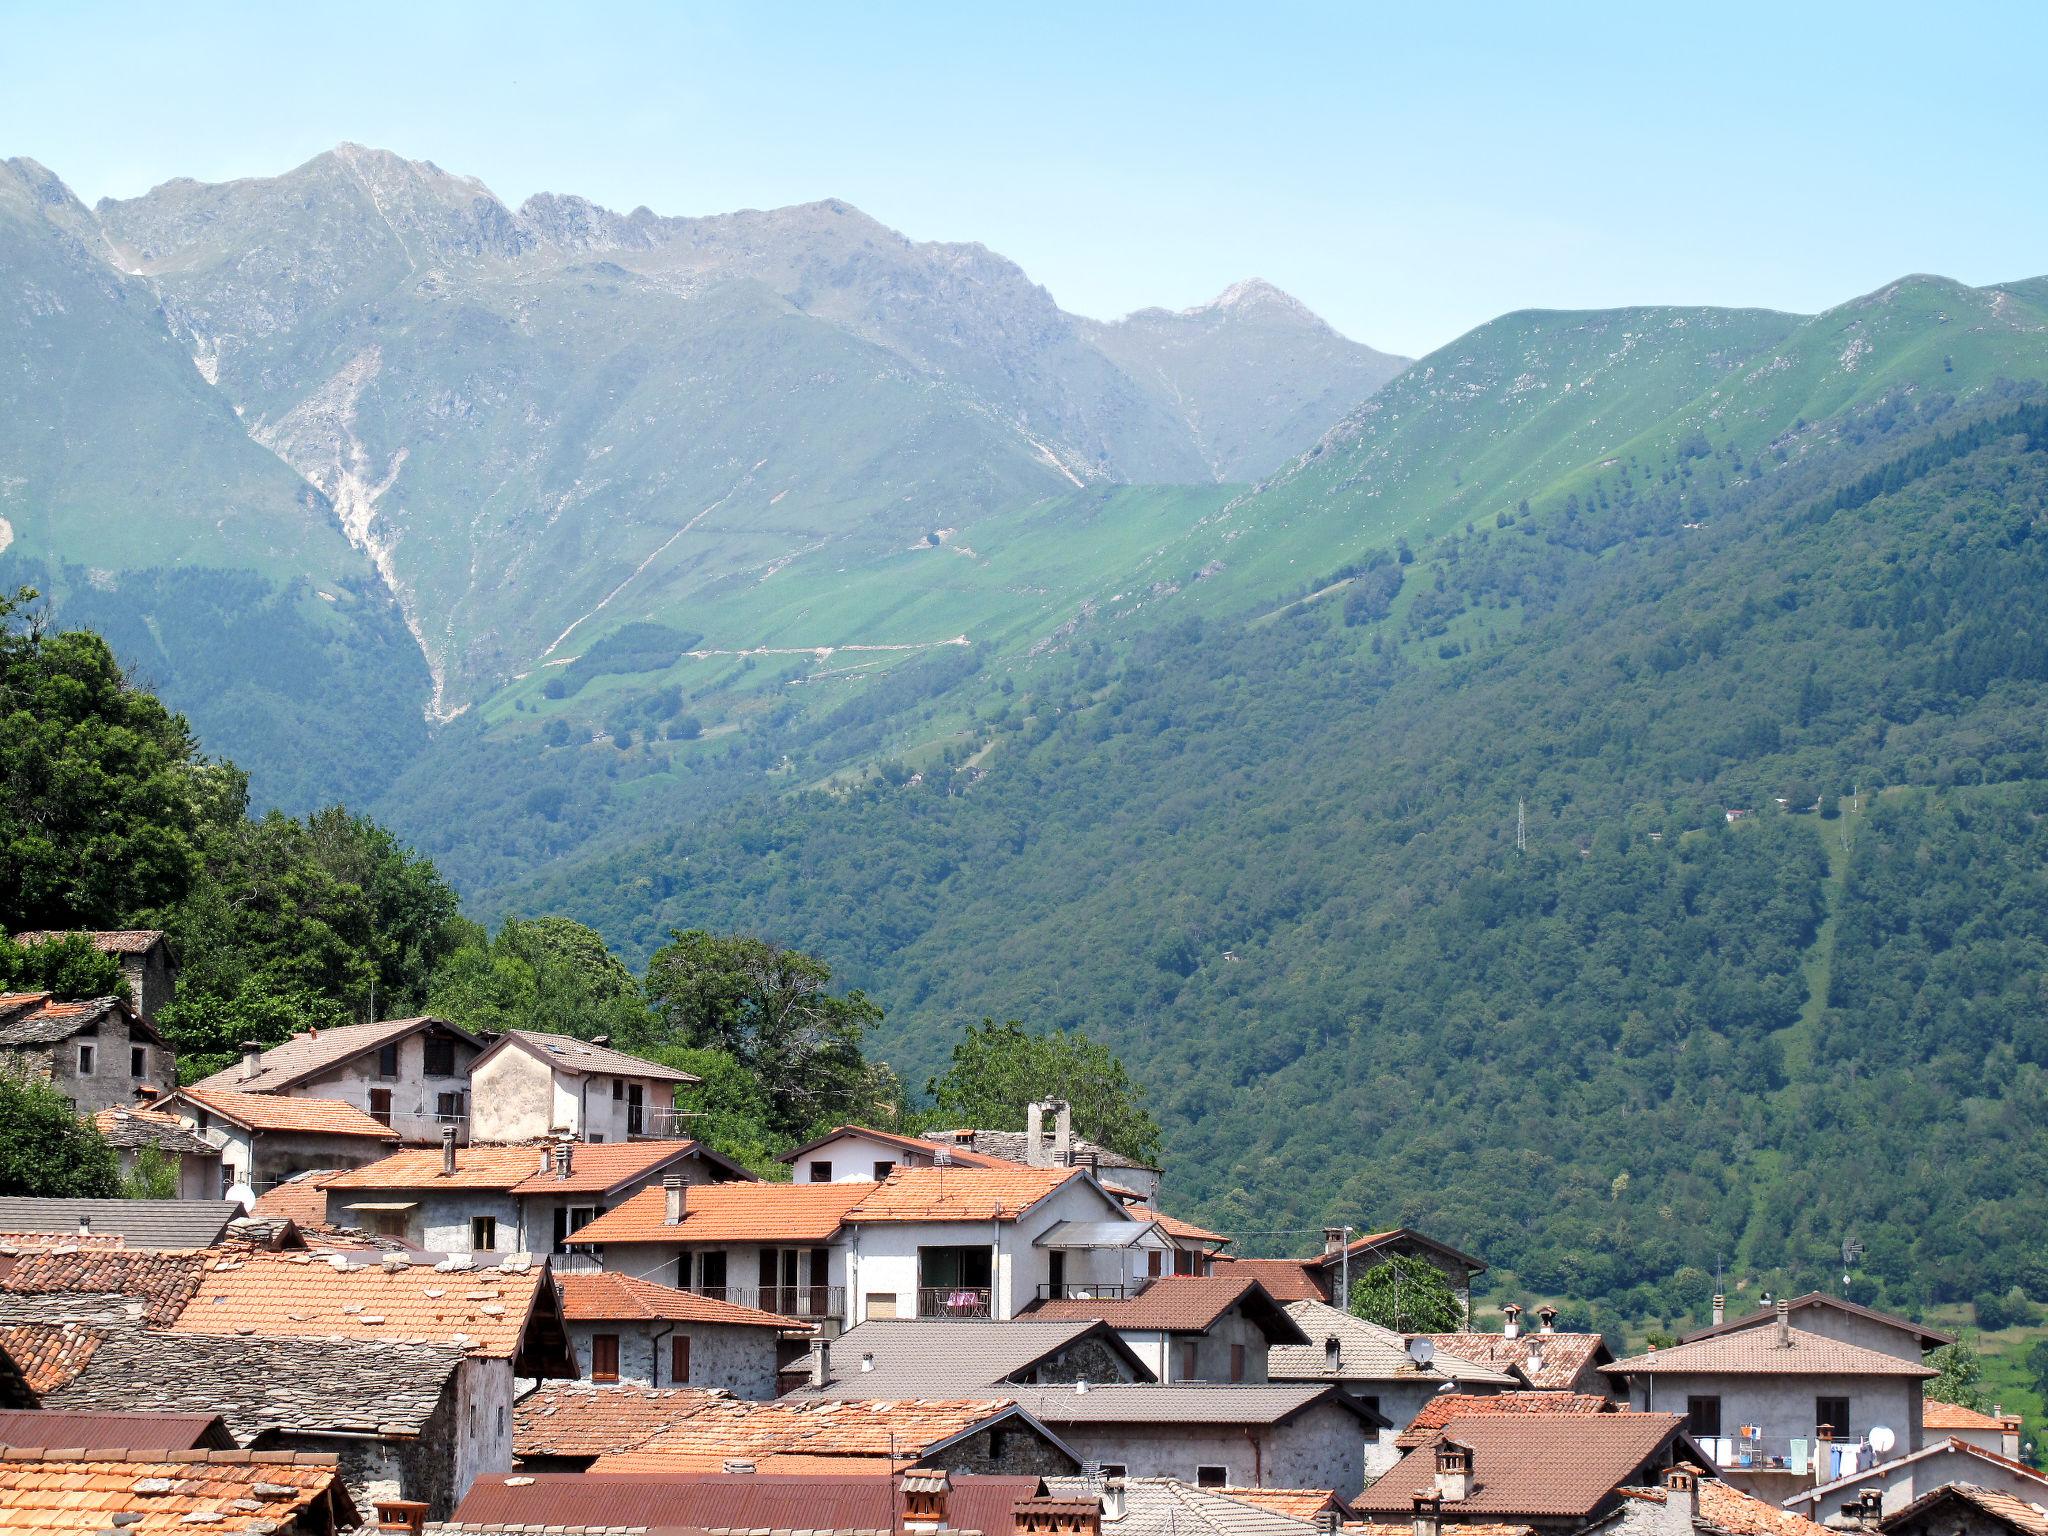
(730, 1213)
(1297, 1503)
(962, 1157)
(727, 1427)
(1173, 1304)
(277, 1112)
(300, 1199)
(960, 1194)
(579, 1418)
(50, 1354)
(1187, 1231)
(1284, 1279)
(329, 1296)
(1439, 1411)
(599, 1298)
(189, 1493)
(162, 1282)
(1935, 1414)
(594, 1168)
(1735, 1512)
(1565, 1355)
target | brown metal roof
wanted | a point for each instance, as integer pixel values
(1533, 1465)
(756, 1501)
(53, 1429)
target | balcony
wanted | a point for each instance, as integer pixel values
(658, 1123)
(808, 1303)
(1798, 1455)
(952, 1301)
(1083, 1290)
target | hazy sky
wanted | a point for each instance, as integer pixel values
(1407, 172)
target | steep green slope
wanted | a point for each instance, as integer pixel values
(1277, 866)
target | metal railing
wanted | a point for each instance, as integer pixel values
(811, 1303)
(952, 1301)
(1785, 1453)
(659, 1123)
(1084, 1290)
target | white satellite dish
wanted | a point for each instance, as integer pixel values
(1421, 1351)
(1882, 1440)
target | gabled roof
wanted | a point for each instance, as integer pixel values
(1394, 1240)
(162, 1282)
(49, 1354)
(962, 1157)
(1184, 1304)
(301, 1199)
(1188, 1232)
(1885, 1470)
(161, 1225)
(1442, 1409)
(1187, 1403)
(582, 1418)
(957, 1357)
(1166, 1506)
(722, 1427)
(565, 1053)
(1928, 1338)
(1565, 1355)
(1936, 1414)
(595, 1168)
(1366, 1352)
(603, 1298)
(1284, 1279)
(1014, 1147)
(125, 1430)
(1718, 1510)
(193, 1493)
(133, 1129)
(37, 1018)
(1755, 1352)
(108, 941)
(1550, 1466)
(2005, 1508)
(314, 1051)
(730, 1213)
(279, 1112)
(967, 1194)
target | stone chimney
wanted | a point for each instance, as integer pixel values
(926, 1493)
(1453, 1471)
(1547, 1317)
(1784, 1324)
(1326, 1521)
(1113, 1501)
(447, 1151)
(1034, 1134)
(84, 1225)
(1429, 1515)
(1720, 1309)
(1333, 1241)
(820, 1361)
(672, 1200)
(1681, 1498)
(1063, 1134)
(1512, 1328)
(565, 1153)
(2008, 1432)
(252, 1059)
(1333, 1352)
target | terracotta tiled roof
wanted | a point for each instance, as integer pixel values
(813, 1426)
(1186, 1231)
(1935, 1414)
(1545, 1465)
(917, 1145)
(1565, 1355)
(313, 1051)
(1180, 1304)
(594, 1168)
(1284, 1279)
(279, 1112)
(1733, 1512)
(50, 1354)
(300, 1199)
(184, 1493)
(1439, 1411)
(730, 1213)
(568, 1054)
(960, 1194)
(1373, 1245)
(162, 1282)
(328, 1296)
(1300, 1503)
(138, 1128)
(1927, 1338)
(111, 941)
(1755, 1352)
(2006, 1508)
(31, 1018)
(610, 1297)
(579, 1418)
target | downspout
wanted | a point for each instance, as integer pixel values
(1258, 1458)
(654, 1365)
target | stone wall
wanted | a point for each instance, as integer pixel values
(742, 1361)
(1012, 1448)
(1323, 1447)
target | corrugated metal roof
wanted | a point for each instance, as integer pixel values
(158, 1225)
(744, 1502)
(56, 1429)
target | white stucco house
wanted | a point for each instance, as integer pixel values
(528, 1085)
(266, 1138)
(411, 1075)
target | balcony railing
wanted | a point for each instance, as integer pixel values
(658, 1123)
(1083, 1290)
(810, 1303)
(1797, 1454)
(952, 1301)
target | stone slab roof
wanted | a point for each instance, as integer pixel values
(134, 1129)
(35, 1018)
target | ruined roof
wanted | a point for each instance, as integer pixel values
(582, 1418)
(757, 1501)
(1366, 1352)
(724, 1428)
(595, 1168)
(2006, 1508)
(279, 1112)
(1442, 1409)
(1565, 1355)
(108, 941)
(159, 1225)
(134, 1129)
(1556, 1465)
(600, 1297)
(1756, 1352)
(337, 1296)
(565, 1053)
(960, 1194)
(1928, 1338)
(184, 1493)
(311, 1052)
(162, 1282)
(1184, 1304)
(957, 1357)
(121, 1430)
(730, 1213)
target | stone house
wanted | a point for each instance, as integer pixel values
(963, 1357)
(133, 1132)
(624, 1329)
(147, 964)
(1191, 1327)
(1048, 1141)
(859, 1154)
(528, 1085)
(100, 1054)
(264, 1139)
(411, 1075)
(492, 1199)
(1780, 1408)
(1966, 1509)
(1869, 1493)
(1832, 1317)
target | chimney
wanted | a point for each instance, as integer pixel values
(84, 1225)
(565, 1152)
(1333, 1241)
(1113, 1501)
(1326, 1521)
(252, 1059)
(1547, 1316)
(1429, 1515)
(1533, 1364)
(401, 1515)
(672, 1206)
(1063, 1134)
(1784, 1325)
(2008, 1432)
(925, 1491)
(1512, 1328)
(1034, 1134)
(821, 1361)
(1720, 1309)
(1681, 1497)
(604, 1040)
(1453, 1471)
(1869, 1507)
(1333, 1352)
(867, 1360)
(447, 1151)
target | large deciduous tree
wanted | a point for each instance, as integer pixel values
(1407, 1294)
(46, 1150)
(998, 1069)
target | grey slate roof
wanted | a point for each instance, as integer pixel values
(1166, 1506)
(569, 1054)
(1179, 1402)
(308, 1055)
(1366, 1352)
(35, 1022)
(1015, 1145)
(132, 1132)
(162, 1225)
(963, 1357)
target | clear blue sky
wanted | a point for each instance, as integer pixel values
(1407, 173)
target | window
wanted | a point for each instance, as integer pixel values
(1834, 1413)
(387, 1060)
(711, 1274)
(618, 1089)
(380, 1105)
(1114, 1469)
(1703, 1417)
(636, 1110)
(821, 1171)
(1190, 1362)
(138, 1061)
(883, 1168)
(440, 1057)
(1372, 1404)
(85, 1059)
(448, 1106)
(679, 1359)
(569, 1219)
(604, 1357)
(1154, 1262)
(1237, 1362)
(998, 1442)
(483, 1234)
(1212, 1477)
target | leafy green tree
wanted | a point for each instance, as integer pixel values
(102, 792)
(1407, 1294)
(997, 1070)
(71, 967)
(549, 973)
(1961, 1378)
(730, 1108)
(770, 1009)
(2037, 1366)
(152, 1176)
(46, 1150)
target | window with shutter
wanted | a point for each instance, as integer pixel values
(679, 1360)
(604, 1357)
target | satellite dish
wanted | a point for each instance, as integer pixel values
(1882, 1440)
(1421, 1351)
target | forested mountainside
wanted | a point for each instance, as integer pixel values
(1275, 863)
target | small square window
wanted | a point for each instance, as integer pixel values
(1212, 1477)
(821, 1172)
(1834, 1413)
(883, 1168)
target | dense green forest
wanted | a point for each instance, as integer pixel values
(1276, 863)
